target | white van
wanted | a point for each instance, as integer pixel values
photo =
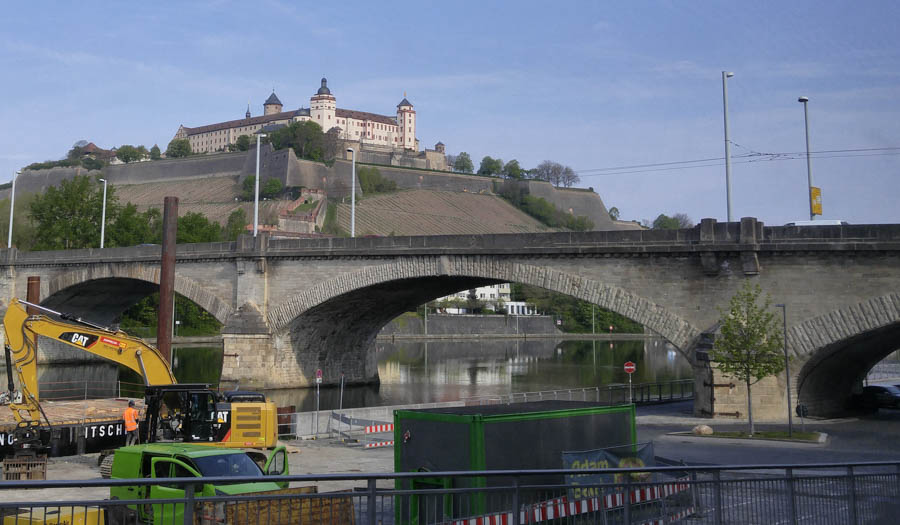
(821, 222)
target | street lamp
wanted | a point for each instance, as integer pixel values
(726, 75)
(352, 192)
(787, 369)
(103, 215)
(12, 205)
(804, 100)
(259, 136)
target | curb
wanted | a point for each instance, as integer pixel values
(692, 438)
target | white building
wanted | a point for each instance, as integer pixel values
(395, 131)
(495, 296)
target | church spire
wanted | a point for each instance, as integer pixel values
(248, 110)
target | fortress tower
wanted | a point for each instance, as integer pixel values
(271, 106)
(406, 122)
(322, 106)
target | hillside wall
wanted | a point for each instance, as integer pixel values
(291, 171)
(577, 202)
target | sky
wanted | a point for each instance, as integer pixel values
(599, 86)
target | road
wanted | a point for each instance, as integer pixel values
(868, 438)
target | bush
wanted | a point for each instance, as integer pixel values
(371, 181)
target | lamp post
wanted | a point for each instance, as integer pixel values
(352, 192)
(103, 215)
(804, 100)
(787, 369)
(12, 206)
(259, 137)
(725, 76)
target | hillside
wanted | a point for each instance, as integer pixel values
(410, 212)
(214, 197)
(432, 212)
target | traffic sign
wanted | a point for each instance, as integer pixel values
(629, 367)
(319, 376)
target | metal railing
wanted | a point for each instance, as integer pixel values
(837, 493)
(641, 393)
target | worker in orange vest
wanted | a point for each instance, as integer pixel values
(131, 426)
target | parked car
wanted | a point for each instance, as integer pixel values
(880, 396)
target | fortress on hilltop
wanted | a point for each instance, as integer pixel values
(378, 134)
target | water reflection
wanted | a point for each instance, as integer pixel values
(419, 372)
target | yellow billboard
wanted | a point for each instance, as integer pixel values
(815, 200)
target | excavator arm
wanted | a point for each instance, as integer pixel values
(21, 330)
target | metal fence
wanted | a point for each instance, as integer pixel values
(639, 393)
(817, 494)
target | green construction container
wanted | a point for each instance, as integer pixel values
(520, 436)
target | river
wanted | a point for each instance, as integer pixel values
(417, 371)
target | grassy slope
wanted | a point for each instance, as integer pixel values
(412, 212)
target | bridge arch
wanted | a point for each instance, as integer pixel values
(435, 276)
(110, 298)
(837, 350)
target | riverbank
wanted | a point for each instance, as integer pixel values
(460, 327)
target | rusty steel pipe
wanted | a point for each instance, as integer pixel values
(167, 279)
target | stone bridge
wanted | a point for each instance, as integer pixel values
(291, 306)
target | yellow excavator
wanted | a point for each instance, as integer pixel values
(192, 413)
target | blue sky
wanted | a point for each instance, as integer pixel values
(592, 85)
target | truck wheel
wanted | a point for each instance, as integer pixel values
(106, 466)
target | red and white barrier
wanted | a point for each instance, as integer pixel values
(376, 444)
(377, 429)
(562, 508)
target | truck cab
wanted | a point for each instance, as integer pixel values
(162, 461)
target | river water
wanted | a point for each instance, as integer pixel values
(417, 371)
(422, 372)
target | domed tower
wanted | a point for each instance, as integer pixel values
(272, 105)
(322, 106)
(406, 122)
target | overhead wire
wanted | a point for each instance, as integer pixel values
(744, 158)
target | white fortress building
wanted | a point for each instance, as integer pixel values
(368, 129)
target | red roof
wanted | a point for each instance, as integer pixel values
(362, 115)
(252, 121)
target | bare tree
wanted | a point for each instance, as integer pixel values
(569, 178)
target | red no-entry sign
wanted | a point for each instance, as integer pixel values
(629, 367)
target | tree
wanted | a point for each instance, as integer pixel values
(155, 154)
(130, 227)
(331, 145)
(490, 167)
(675, 222)
(614, 213)
(195, 227)
(23, 236)
(127, 153)
(271, 188)
(568, 177)
(237, 223)
(306, 138)
(179, 148)
(749, 347)
(242, 143)
(463, 163)
(371, 181)
(67, 217)
(512, 170)
(549, 171)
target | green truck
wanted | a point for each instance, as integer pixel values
(161, 461)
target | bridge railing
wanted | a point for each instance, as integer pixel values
(836, 493)
(618, 394)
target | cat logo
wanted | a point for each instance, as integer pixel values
(78, 339)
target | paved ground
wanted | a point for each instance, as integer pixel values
(870, 438)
